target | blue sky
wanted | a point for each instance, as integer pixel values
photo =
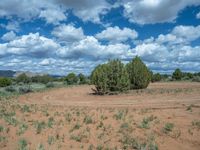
(59, 36)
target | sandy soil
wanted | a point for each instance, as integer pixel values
(85, 121)
(157, 95)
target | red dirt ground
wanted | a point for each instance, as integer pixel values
(171, 102)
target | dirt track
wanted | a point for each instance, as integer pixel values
(157, 95)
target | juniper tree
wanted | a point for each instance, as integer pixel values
(139, 74)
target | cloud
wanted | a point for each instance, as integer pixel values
(152, 52)
(87, 10)
(29, 10)
(45, 62)
(68, 33)
(53, 11)
(3, 50)
(90, 48)
(198, 15)
(154, 11)
(115, 34)
(173, 47)
(32, 45)
(180, 35)
(11, 25)
(9, 36)
(53, 16)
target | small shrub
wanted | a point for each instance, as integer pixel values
(87, 120)
(50, 85)
(196, 79)
(25, 108)
(189, 108)
(68, 117)
(196, 124)
(10, 89)
(50, 122)
(76, 127)
(120, 114)
(25, 89)
(168, 127)
(51, 140)
(39, 126)
(40, 147)
(22, 129)
(11, 120)
(78, 137)
(145, 122)
(22, 144)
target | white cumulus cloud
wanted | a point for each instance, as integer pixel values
(68, 33)
(115, 34)
(154, 11)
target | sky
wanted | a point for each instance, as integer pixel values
(63, 36)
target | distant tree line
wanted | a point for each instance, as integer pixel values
(108, 78)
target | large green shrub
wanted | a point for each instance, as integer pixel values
(5, 82)
(99, 78)
(139, 74)
(71, 79)
(177, 74)
(110, 78)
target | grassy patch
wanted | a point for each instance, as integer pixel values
(168, 128)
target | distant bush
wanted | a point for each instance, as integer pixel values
(139, 74)
(25, 89)
(156, 77)
(10, 89)
(82, 79)
(42, 79)
(71, 79)
(5, 82)
(177, 74)
(110, 78)
(50, 85)
(23, 78)
(196, 79)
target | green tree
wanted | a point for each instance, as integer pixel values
(118, 79)
(156, 77)
(99, 78)
(110, 78)
(82, 79)
(71, 79)
(177, 74)
(5, 82)
(139, 74)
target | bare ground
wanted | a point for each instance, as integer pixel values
(83, 120)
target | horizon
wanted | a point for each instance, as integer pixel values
(60, 36)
